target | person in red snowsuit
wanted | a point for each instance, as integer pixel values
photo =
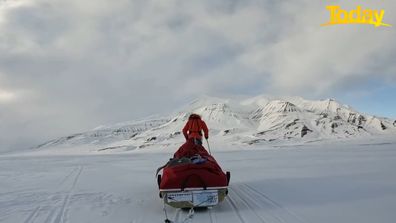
(193, 129)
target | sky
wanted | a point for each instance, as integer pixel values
(67, 66)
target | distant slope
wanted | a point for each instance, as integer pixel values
(256, 120)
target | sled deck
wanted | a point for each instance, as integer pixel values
(194, 197)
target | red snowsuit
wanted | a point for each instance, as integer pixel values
(194, 127)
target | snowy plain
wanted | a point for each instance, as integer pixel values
(326, 182)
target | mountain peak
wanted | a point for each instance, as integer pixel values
(280, 106)
(260, 119)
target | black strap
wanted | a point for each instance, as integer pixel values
(160, 168)
(172, 162)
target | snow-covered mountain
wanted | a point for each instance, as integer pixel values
(261, 119)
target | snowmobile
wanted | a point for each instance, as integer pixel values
(192, 178)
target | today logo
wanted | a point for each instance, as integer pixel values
(357, 16)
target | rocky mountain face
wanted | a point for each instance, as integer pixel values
(238, 122)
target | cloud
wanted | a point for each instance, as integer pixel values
(83, 63)
(6, 96)
(315, 59)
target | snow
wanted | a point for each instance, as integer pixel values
(324, 181)
(260, 120)
(291, 160)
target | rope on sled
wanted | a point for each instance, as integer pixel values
(189, 216)
(207, 142)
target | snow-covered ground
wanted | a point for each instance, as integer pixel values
(311, 183)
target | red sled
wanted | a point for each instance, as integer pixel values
(192, 178)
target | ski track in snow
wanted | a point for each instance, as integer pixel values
(295, 186)
(33, 215)
(264, 208)
(176, 218)
(235, 209)
(62, 215)
(261, 197)
(68, 176)
(62, 211)
(247, 204)
(212, 216)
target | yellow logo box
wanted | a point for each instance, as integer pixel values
(355, 16)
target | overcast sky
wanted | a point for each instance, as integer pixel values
(70, 65)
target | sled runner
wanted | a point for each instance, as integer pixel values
(192, 178)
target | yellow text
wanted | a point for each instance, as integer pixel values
(356, 16)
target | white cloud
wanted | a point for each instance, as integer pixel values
(6, 96)
(94, 62)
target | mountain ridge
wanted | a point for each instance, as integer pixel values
(256, 120)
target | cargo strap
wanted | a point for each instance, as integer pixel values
(160, 168)
(172, 162)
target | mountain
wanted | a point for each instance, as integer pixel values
(257, 120)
